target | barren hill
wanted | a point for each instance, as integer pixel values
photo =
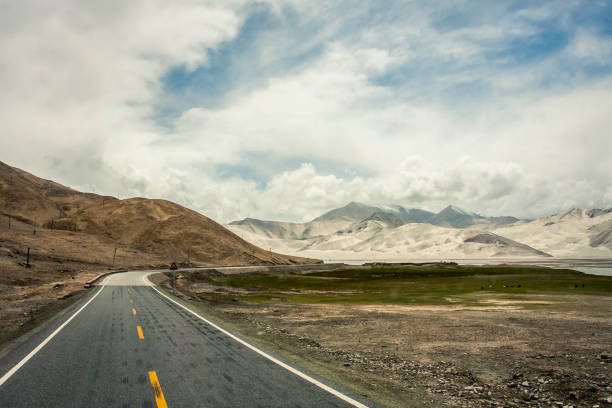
(35, 201)
(161, 229)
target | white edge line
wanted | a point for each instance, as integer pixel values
(262, 353)
(24, 360)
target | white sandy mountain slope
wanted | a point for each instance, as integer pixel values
(392, 216)
(382, 235)
(575, 233)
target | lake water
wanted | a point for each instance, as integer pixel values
(596, 271)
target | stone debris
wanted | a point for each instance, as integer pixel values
(458, 387)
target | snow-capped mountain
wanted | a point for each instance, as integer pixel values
(344, 217)
(359, 231)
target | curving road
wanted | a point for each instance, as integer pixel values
(128, 345)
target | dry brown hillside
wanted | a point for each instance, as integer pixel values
(159, 228)
(163, 227)
(37, 201)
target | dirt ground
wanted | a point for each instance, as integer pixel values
(532, 351)
(60, 263)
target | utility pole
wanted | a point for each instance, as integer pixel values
(28, 259)
(114, 255)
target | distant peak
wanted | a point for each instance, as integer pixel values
(456, 209)
(453, 208)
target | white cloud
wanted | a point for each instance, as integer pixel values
(590, 48)
(81, 81)
(529, 155)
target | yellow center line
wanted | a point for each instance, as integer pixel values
(140, 335)
(134, 311)
(159, 395)
(131, 301)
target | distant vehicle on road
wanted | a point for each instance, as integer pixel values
(87, 285)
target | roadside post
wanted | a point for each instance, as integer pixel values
(173, 268)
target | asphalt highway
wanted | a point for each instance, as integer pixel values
(127, 345)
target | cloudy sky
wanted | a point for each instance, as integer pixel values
(285, 109)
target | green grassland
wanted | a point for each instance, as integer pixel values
(415, 285)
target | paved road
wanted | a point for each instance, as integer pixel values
(129, 346)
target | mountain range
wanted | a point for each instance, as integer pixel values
(344, 217)
(361, 231)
